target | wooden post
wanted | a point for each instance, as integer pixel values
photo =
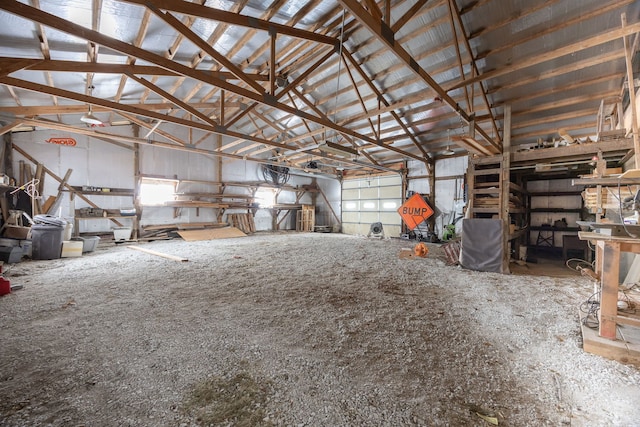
(471, 184)
(505, 185)
(137, 180)
(39, 187)
(609, 294)
(432, 194)
(8, 155)
(632, 95)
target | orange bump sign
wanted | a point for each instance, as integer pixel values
(415, 211)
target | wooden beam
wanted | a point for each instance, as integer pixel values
(385, 35)
(382, 99)
(153, 128)
(599, 9)
(632, 95)
(11, 126)
(608, 56)
(195, 39)
(79, 31)
(549, 55)
(272, 63)
(456, 45)
(159, 254)
(505, 186)
(474, 66)
(408, 15)
(160, 144)
(208, 12)
(374, 9)
(575, 150)
(105, 68)
(178, 102)
(81, 108)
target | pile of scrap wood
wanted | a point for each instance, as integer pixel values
(170, 231)
(243, 222)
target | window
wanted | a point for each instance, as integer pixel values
(157, 191)
(265, 198)
(369, 205)
(389, 205)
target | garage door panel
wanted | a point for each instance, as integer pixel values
(389, 217)
(350, 183)
(369, 205)
(390, 205)
(350, 228)
(351, 194)
(374, 199)
(351, 217)
(389, 180)
(369, 193)
(369, 217)
(388, 192)
(351, 205)
(392, 230)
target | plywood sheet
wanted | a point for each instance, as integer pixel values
(218, 233)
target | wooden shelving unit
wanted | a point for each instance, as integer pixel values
(306, 218)
(493, 195)
(546, 234)
(113, 215)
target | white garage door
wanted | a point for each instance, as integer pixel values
(369, 200)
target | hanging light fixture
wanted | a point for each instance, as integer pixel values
(88, 117)
(448, 151)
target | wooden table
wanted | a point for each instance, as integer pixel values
(608, 250)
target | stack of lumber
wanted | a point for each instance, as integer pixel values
(609, 198)
(244, 222)
(169, 231)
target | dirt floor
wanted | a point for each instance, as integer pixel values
(298, 329)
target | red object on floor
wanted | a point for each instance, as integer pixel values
(5, 286)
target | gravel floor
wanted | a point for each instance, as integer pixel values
(298, 329)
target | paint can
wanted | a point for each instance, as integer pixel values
(5, 286)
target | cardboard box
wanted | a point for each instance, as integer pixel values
(71, 248)
(16, 232)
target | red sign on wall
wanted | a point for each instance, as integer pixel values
(415, 211)
(70, 142)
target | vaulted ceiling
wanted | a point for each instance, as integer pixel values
(288, 80)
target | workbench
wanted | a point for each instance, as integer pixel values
(611, 341)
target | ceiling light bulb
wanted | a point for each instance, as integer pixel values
(448, 151)
(90, 118)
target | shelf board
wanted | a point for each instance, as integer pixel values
(486, 191)
(556, 210)
(123, 192)
(105, 217)
(540, 228)
(555, 193)
(481, 172)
